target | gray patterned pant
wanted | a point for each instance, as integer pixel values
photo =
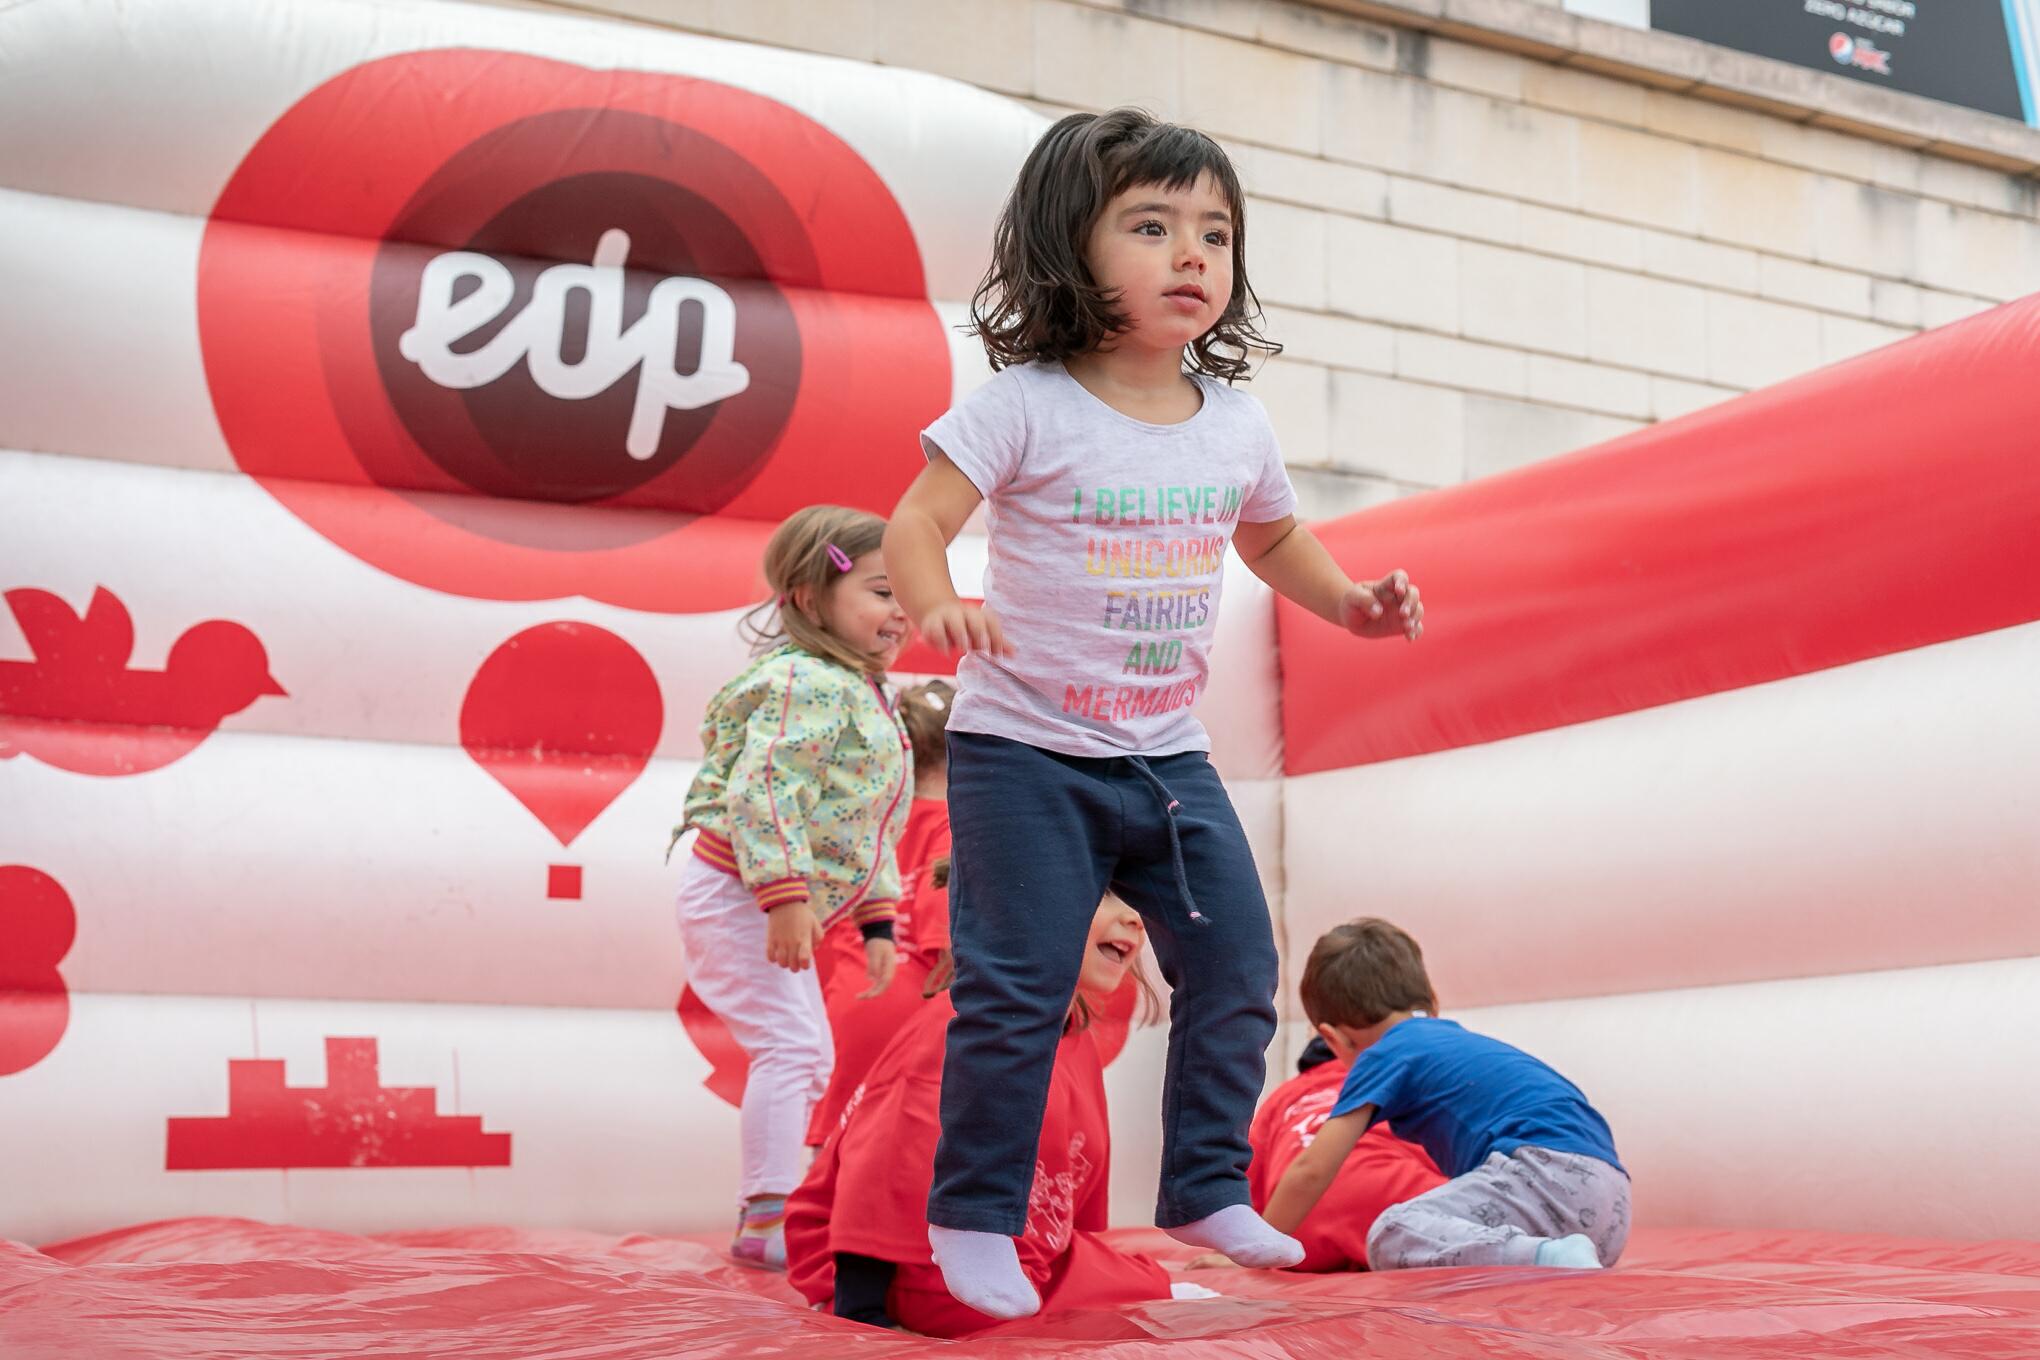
(1498, 1213)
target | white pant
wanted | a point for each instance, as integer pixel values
(776, 1016)
(1500, 1212)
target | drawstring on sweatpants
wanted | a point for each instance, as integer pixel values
(1170, 806)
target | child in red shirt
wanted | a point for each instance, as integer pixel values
(862, 1207)
(1381, 1170)
(863, 1018)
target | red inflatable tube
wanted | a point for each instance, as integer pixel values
(1888, 503)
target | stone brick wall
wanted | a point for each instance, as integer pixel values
(1478, 255)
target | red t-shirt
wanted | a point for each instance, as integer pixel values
(928, 907)
(867, 1191)
(924, 908)
(1380, 1170)
(861, 1028)
(925, 837)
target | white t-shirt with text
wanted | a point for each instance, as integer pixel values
(1108, 542)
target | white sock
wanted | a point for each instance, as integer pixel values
(1575, 1252)
(983, 1272)
(1242, 1234)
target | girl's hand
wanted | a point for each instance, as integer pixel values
(881, 957)
(962, 627)
(1384, 608)
(941, 975)
(792, 934)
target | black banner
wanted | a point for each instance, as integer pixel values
(1958, 51)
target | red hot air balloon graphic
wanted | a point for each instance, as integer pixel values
(564, 716)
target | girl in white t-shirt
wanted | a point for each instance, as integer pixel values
(1116, 463)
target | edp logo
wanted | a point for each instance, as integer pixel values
(444, 319)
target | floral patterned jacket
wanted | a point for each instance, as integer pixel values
(804, 787)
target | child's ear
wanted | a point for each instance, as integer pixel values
(803, 598)
(1334, 1039)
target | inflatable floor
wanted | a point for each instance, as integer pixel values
(227, 1288)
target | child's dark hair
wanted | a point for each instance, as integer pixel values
(925, 710)
(806, 555)
(1360, 972)
(1038, 299)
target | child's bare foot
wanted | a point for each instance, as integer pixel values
(1211, 1260)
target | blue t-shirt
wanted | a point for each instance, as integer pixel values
(1464, 1096)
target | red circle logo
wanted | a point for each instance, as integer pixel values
(459, 308)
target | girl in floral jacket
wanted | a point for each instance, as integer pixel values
(798, 807)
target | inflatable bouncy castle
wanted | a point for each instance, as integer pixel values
(396, 399)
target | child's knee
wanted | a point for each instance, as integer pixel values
(1382, 1237)
(1037, 983)
(795, 1064)
(1246, 967)
(1260, 968)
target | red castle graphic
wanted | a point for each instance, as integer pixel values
(80, 707)
(351, 1121)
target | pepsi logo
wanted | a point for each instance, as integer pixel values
(1859, 54)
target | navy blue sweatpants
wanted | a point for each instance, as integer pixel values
(1037, 838)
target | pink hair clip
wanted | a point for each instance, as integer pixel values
(839, 557)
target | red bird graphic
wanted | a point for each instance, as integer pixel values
(80, 707)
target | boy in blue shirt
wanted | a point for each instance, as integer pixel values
(1534, 1176)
